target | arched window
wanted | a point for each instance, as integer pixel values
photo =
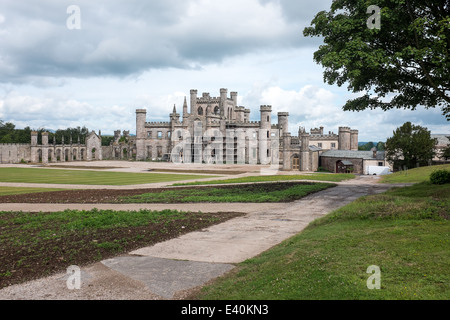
(216, 110)
(200, 111)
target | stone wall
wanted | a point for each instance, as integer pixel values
(15, 153)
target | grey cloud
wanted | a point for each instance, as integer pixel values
(119, 38)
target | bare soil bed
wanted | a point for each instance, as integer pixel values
(27, 254)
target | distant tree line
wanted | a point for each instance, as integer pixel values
(9, 134)
(368, 146)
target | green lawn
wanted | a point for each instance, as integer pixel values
(255, 193)
(317, 176)
(7, 191)
(413, 175)
(405, 232)
(88, 177)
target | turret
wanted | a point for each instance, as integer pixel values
(344, 138)
(141, 116)
(193, 100)
(266, 117)
(304, 154)
(223, 101)
(283, 122)
(354, 140)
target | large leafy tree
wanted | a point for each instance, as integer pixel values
(402, 64)
(410, 145)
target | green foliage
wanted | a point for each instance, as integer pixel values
(446, 152)
(368, 146)
(106, 140)
(9, 133)
(410, 146)
(407, 57)
(440, 177)
(68, 134)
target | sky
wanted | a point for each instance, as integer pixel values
(94, 66)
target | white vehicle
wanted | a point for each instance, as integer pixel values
(377, 171)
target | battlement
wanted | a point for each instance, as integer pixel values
(157, 124)
(266, 108)
(15, 144)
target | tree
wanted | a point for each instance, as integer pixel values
(367, 147)
(403, 64)
(446, 151)
(410, 146)
(381, 146)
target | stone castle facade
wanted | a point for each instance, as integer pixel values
(208, 130)
(217, 130)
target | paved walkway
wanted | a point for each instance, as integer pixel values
(169, 269)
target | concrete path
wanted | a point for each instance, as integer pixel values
(168, 270)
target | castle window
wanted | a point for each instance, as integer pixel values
(200, 111)
(169, 135)
(268, 118)
(149, 134)
(333, 145)
(319, 145)
(380, 164)
(217, 110)
(160, 135)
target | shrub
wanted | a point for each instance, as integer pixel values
(440, 177)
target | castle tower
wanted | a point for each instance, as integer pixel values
(265, 151)
(287, 139)
(344, 138)
(304, 152)
(234, 96)
(141, 116)
(223, 102)
(193, 101)
(283, 122)
(354, 140)
(247, 115)
(117, 136)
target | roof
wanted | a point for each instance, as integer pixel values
(351, 154)
(314, 148)
(347, 163)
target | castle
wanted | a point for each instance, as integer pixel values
(211, 130)
(217, 130)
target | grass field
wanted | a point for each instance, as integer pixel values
(6, 191)
(413, 175)
(255, 193)
(318, 176)
(88, 177)
(405, 232)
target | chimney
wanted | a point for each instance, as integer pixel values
(374, 150)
